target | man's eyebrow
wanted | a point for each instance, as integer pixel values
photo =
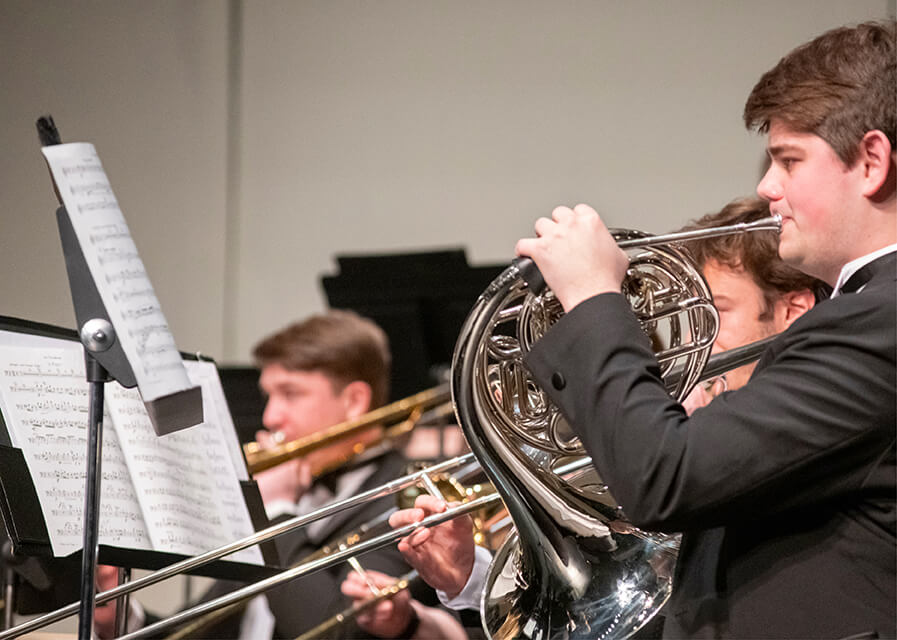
(779, 149)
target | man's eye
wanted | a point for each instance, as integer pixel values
(788, 163)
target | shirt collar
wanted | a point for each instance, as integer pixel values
(347, 486)
(854, 265)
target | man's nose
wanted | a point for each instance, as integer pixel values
(769, 187)
(272, 415)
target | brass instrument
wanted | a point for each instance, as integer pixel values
(561, 572)
(350, 613)
(489, 527)
(405, 410)
(575, 568)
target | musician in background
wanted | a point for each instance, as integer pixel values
(322, 371)
(757, 295)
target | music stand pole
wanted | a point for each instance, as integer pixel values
(9, 583)
(97, 335)
(122, 604)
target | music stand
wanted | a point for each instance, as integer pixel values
(105, 360)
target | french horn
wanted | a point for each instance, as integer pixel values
(576, 568)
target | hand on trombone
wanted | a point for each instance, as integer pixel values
(104, 615)
(398, 616)
(442, 555)
(702, 394)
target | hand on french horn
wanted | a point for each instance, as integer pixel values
(285, 482)
(576, 254)
(442, 555)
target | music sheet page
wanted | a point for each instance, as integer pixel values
(44, 399)
(178, 493)
(185, 481)
(117, 269)
(216, 410)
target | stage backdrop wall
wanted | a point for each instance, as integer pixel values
(250, 142)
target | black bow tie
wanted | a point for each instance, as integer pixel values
(330, 480)
(864, 274)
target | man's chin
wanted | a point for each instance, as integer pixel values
(790, 254)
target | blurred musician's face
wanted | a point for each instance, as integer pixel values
(744, 317)
(302, 402)
(743, 314)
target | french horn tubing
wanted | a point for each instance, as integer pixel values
(576, 568)
(598, 576)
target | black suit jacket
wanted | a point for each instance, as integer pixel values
(303, 603)
(785, 489)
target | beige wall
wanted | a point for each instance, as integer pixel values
(394, 125)
(249, 142)
(146, 83)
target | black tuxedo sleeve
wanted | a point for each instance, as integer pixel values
(815, 423)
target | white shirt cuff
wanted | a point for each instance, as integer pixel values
(277, 508)
(470, 595)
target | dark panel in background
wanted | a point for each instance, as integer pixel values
(241, 388)
(419, 299)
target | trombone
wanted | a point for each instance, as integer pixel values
(718, 363)
(410, 410)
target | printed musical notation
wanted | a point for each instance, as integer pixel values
(43, 393)
(178, 493)
(117, 269)
(185, 481)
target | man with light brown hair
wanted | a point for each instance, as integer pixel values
(327, 369)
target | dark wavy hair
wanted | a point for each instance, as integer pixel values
(838, 86)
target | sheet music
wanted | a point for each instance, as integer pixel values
(178, 493)
(215, 409)
(117, 269)
(44, 399)
(185, 481)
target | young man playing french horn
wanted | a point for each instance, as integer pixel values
(784, 490)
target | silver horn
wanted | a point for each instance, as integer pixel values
(576, 568)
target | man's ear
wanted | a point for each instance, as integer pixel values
(357, 398)
(795, 304)
(877, 158)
